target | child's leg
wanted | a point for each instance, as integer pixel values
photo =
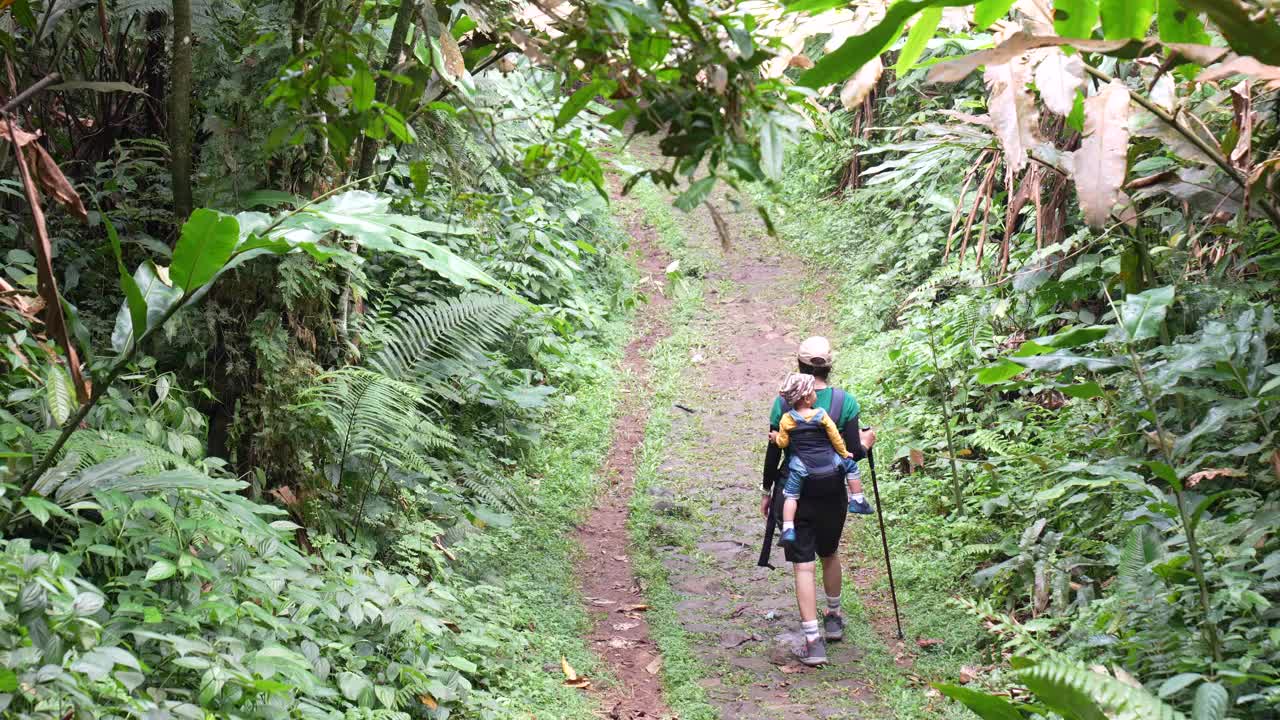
(853, 479)
(791, 497)
(789, 511)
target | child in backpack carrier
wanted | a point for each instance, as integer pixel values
(816, 446)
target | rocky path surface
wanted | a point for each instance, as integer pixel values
(760, 303)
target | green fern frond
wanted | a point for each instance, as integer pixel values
(1076, 691)
(460, 328)
(375, 417)
(99, 446)
(491, 492)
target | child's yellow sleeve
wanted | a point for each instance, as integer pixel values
(785, 426)
(833, 434)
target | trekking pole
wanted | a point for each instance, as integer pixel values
(884, 541)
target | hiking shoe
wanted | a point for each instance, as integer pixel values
(833, 627)
(788, 536)
(859, 507)
(815, 652)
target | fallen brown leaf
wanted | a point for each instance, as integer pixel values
(1212, 473)
(569, 673)
(791, 669)
(928, 642)
(968, 674)
(653, 667)
(429, 701)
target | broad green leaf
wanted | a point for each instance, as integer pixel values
(1178, 24)
(576, 102)
(1075, 337)
(697, 191)
(1076, 119)
(99, 86)
(161, 570)
(1177, 683)
(1058, 362)
(1126, 19)
(919, 37)
(207, 241)
(1244, 33)
(1075, 18)
(1083, 391)
(649, 49)
(362, 90)
(987, 12)
(1211, 702)
(59, 395)
(771, 149)
(134, 301)
(1164, 472)
(999, 372)
(1141, 314)
(352, 685)
(8, 680)
(42, 509)
(158, 297)
(987, 707)
(845, 60)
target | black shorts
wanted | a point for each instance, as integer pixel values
(819, 522)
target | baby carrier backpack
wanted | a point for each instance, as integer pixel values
(810, 443)
(830, 482)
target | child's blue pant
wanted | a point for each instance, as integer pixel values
(798, 472)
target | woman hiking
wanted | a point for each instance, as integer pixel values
(822, 505)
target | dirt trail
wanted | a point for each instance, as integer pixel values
(620, 634)
(760, 304)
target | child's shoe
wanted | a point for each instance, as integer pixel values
(859, 507)
(788, 536)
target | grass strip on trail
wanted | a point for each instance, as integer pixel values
(681, 668)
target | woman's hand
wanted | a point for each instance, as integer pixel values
(764, 504)
(868, 436)
(773, 436)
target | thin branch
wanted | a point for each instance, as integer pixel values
(23, 96)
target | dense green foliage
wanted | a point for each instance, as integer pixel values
(304, 304)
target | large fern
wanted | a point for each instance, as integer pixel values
(98, 446)
(375, 417)
(460, 328)
(1077, 692)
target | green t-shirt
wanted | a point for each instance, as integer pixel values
(847, 414)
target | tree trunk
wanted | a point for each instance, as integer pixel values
(180, 111)
(404, 17)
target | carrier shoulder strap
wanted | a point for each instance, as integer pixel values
(837, 407)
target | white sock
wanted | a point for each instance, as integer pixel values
(859, 497)
(787, 526)
(833, 604)
(810, 628)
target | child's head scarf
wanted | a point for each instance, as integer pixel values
(796, 387)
